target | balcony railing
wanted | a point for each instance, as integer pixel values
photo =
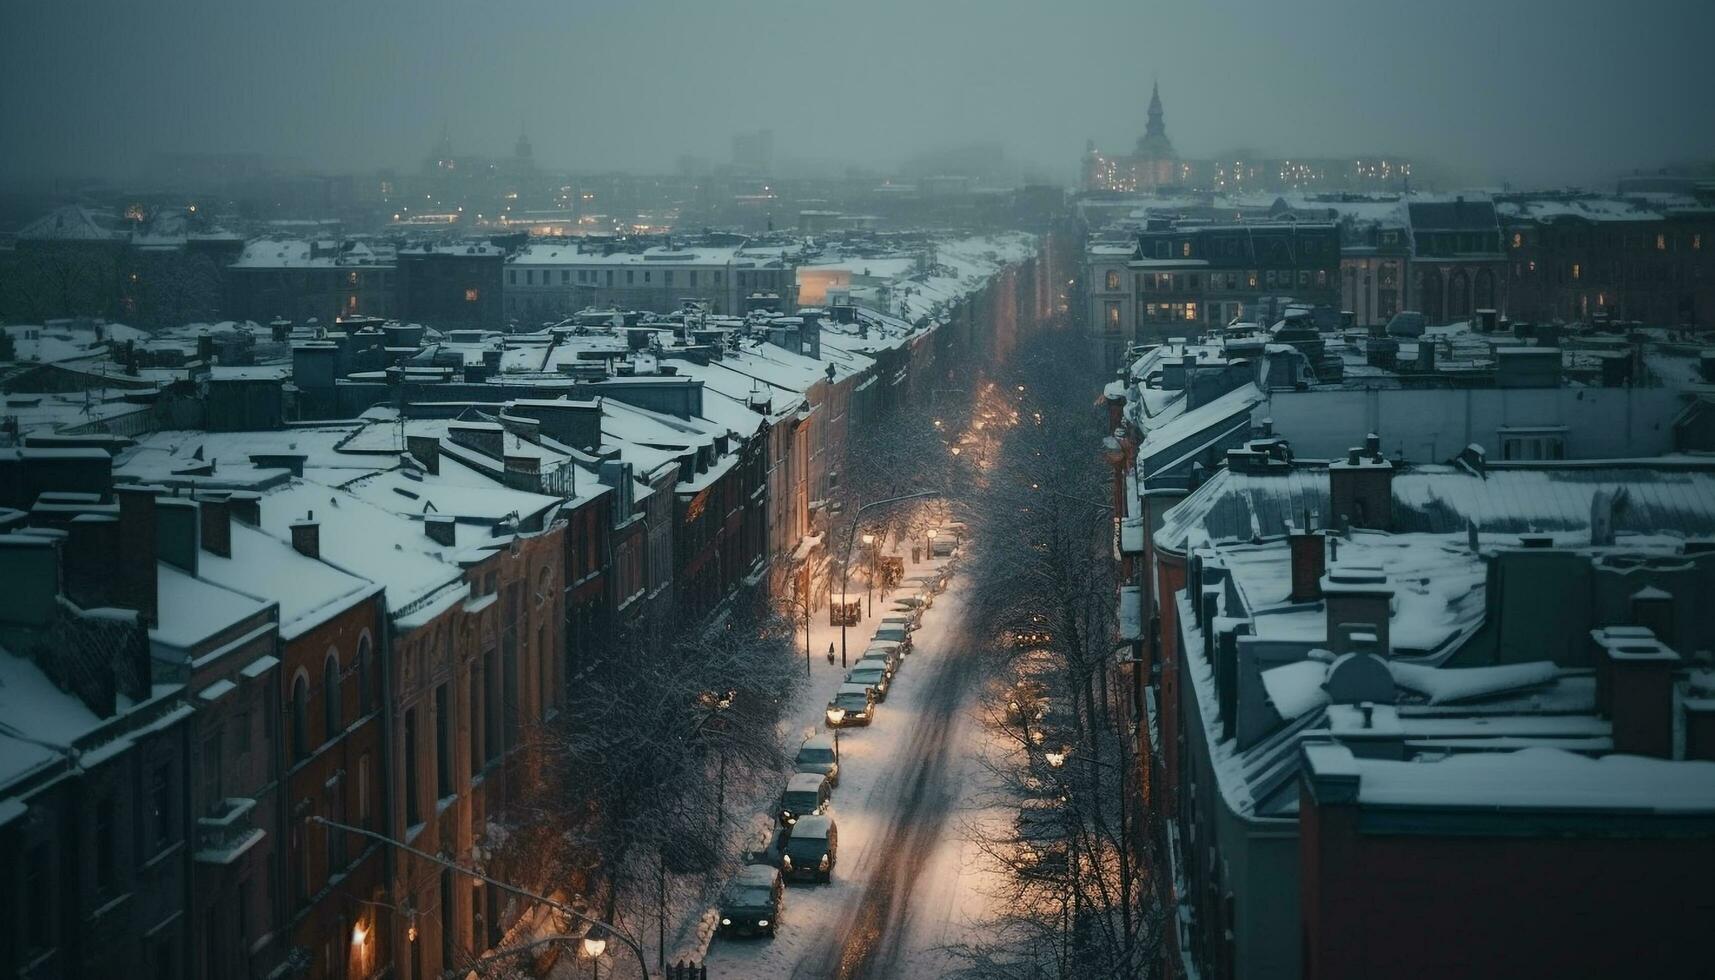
(226, 832)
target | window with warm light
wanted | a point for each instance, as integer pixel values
(1113, 280)
(1661, 243)
(471, 294)
(1518, 240)
(1577, 271)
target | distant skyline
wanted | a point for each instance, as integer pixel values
(1530, 91)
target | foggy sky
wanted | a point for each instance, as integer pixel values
(1530, 91)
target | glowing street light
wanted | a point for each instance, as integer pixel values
(595, 942)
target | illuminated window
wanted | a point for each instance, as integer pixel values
(1577, 271)
(471, 294)
(1532, 265)
(1113, 317)
(1696, 241)
(1518, 240)
(1185, 249)
(1113, 280)
(1190, 311)
(1661, 243)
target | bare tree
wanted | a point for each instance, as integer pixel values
(1044, 581)
(638, 768)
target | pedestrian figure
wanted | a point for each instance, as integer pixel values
(830, 654)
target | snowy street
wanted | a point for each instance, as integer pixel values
(905, 884)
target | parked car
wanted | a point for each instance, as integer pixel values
(752, 902)
(905, 621)
(853, 704)
(872, 674)
(879, 658)
(806, 793)
(913, 600)
(912, 613)
(820, 754)
(894, 633)
(886, 650)
(812, 850)
(1042, 845)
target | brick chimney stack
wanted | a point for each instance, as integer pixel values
(216, 525)
(1361, 487)
(307, 536)
(1640, 698)
(1309, 561)
(136, 585)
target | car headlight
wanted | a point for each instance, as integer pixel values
(786, 861)
(825, 862)
(726, 922)
(762, 923)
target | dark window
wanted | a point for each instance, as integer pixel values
(413, 806)
(241, 732)
(331, 723)
(211, 773)
(565, 276)
(443, 744)
(300, 718)
(160, 828)
(491, 708)
(336, 838)
(39, 889)
(106, 858)
(365, 685)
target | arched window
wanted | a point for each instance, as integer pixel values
(1458, 294)
(330, 695)
(300, 716)
(365, 682)
(1113, 281)
(1430, 299)
(1485, 290)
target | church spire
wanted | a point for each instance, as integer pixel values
(1154, 144)
(1155, 127)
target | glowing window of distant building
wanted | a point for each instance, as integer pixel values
(1661, 243)
(470, 295)
(1577, 271)
(1190, 311)
(1518, 240)
(1185, 249)
(1113, 280)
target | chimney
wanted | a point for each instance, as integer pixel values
(216, 525)
(1359, 603)
(1652, 609)
(245, 506)
(1700, 729)
(31, 566)
(136, 588)
(426, 450)
(1309, 562)
(1361, 487)
(441, 529)
(92, 541)
(176, 533)
(1640, 698)
(307, 536)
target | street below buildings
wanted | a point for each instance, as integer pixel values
(907, 881)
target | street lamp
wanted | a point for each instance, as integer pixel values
(869, 545)
(595, 942)
(846, 560)
(561, 907)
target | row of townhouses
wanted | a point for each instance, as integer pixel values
(340, 577)
(1416, 646)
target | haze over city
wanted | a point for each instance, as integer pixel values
(1528, 92)
(881, 490)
